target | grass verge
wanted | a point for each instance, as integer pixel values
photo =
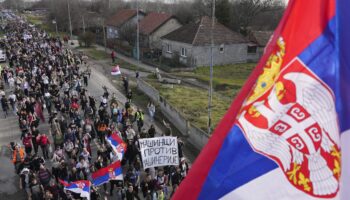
(96, 54)
(227, 79)
(193, 103)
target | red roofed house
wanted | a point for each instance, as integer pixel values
(191, 44)
(121, 19)
(154, 26)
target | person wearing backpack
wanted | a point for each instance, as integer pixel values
(44, 176)
(58, 139)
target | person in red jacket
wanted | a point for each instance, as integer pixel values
(44, 143)
(27, 142)
(113, 55)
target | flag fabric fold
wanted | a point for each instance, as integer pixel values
(81, 187)
(111, 172)
(116, 71)
(117, 144)
(282, 137)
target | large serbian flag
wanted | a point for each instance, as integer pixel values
(111, 172)
(284, 135)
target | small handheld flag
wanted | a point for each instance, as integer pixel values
(117, 144)
(111, 172)
(81, 187)
(115, 70)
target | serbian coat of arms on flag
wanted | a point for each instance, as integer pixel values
(290, 117)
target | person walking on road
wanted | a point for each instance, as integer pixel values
(139, 117)
(125, 84)
(4, 105)
(129, 96)
(151, 110)
(113, 55)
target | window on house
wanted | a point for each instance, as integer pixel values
(183, 52)
(168, 48)
(252, 49)
(222, 48)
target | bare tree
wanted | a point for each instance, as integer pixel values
(201, 8)
(127, 33)
(87, 38)
(14, 4)
(246, 10)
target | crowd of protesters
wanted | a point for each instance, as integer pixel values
(47, 83)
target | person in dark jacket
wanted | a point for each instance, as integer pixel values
(44, 176)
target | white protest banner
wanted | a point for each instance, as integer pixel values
(159, 151)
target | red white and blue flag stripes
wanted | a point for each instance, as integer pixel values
(111, 172)
(117, 144)
(286, 135)
(116, 70)
(81, 187)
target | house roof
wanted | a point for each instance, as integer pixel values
(198, 34)
(120, 17)
(153, 21)
(260, 37)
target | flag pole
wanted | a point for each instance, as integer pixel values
(210, 96)
(137, 33)
(70, 20)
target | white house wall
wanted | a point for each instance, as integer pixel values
(198, 56)
(175, 47)
(233, 53)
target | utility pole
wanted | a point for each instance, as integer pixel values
(104, 34)
(82, 15)
(83, 23)
(70, 20)
(55, 22)
(210, 98)
(137, 33)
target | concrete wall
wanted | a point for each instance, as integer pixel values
(169, 26)
(233, 53)
(197, 137)
(194, 135)
(150, 91)
(174, 116)
(253, 57)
